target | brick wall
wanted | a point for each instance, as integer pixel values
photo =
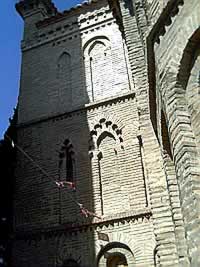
(176, 49)
(42, 89)
(51, 249)
(77, 85)
(135, 29)
(121, 168)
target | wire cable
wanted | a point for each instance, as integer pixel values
(59, 184)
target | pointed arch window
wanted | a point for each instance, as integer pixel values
(105, 137)
(67, 178)
(110, 160)
(98, 65)
(67, 162)
(64, 78)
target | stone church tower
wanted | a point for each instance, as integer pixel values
(107, 163)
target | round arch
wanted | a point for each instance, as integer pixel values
(188, 58)
(115, 253)
(189, 79)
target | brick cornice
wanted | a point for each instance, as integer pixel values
(137, 216)
(81, 109)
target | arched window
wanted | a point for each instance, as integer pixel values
(67, 162)
(98, 65)
(116, 254)
(64, 67)
(64, 78)
(114, 162)
(101, 69)
(67, 177)
(106, 137)
(109, 172)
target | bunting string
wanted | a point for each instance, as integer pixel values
(63, 183)
(60, 184)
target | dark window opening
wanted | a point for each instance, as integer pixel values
(116, 259)
(67, 162)
(69, 166)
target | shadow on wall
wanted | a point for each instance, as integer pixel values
(129, 5)
(75, 244)
(53, 220)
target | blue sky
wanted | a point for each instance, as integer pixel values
(11, 28)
